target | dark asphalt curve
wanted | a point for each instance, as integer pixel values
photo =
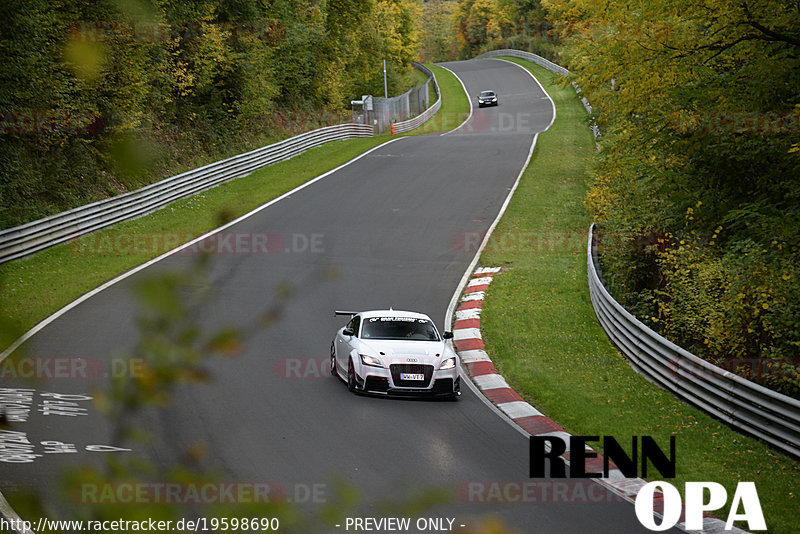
(386, 230)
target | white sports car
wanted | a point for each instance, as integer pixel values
(393, 352)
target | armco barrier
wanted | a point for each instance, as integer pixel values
(769, 415)
(539, 60)
(37, 235)
(405, 126)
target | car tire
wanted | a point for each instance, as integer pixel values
(333, 361)
(351, 377)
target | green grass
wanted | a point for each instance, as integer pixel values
(418, 77)
(455, 106)
(541, 332)
(35, 287)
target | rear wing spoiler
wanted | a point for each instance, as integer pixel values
(344, 312)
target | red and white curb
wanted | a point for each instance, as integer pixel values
(469, 345)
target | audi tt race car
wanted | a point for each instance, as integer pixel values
(391, 352)
(487, 98)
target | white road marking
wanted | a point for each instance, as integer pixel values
(469, 313)
(472, 356)
(492, 381)
(552, 102)
(518, 409)
(476, 295)
(27, 335)
(448, 318)
(466, 333)
(468, 100)
(482, 281)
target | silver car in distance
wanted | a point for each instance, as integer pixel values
(487, 98)
(390, 352)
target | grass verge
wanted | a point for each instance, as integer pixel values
(541, 332)
(455, 106)
(33, 288)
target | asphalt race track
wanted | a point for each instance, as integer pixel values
(386, 230)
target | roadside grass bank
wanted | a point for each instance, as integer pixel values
(33, 288)
(417, 77)
(542, 334)
(455, 106)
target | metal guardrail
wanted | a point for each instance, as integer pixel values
(405, 126)
(37, 235)
(399, 108)
(767, 414)
(539, 60)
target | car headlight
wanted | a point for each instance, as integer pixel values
(494, 99)
(480, 101)
(372, 361)
(449, 363)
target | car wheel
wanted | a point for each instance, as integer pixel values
(351, 376)
(333, 360)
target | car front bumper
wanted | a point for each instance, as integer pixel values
(382, 382)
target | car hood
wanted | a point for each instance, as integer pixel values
(398, 351)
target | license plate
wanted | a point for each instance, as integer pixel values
(411, 376)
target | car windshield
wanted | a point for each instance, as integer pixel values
(487, 94)
(408, 328)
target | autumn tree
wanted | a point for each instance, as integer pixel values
(697, 188)
(102, 97)
(438, 41)
(483, 25)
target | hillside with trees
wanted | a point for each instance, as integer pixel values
(101, 97)
(697, 186)
(483, 25)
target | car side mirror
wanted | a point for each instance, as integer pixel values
(447, 335)
(348, 332)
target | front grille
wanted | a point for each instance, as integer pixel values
(414, 368)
